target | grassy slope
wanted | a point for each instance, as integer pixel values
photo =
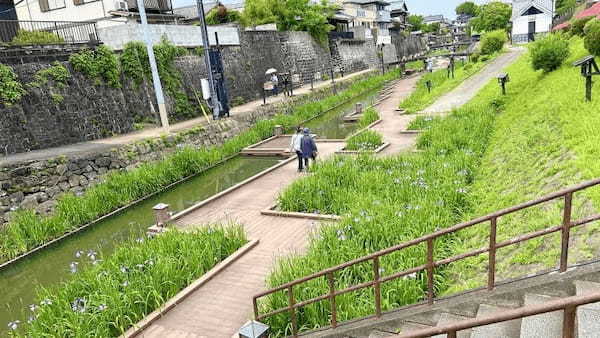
(421, 98)
(546, 139)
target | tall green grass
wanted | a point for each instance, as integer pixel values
(27, 230)
(369, 116)
(441, 84)
(547, 139)
(384, 202)
(364, 141)
(107, 298)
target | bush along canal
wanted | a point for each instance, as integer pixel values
(58, 262)
(82, 251)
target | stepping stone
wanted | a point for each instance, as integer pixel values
(588, 316)
(548, 325)
(509, 329)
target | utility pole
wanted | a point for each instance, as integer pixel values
(214, 100)
(160, 98)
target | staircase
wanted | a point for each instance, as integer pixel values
(581, 280)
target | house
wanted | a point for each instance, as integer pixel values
(7, 10)
(105, 12)
(531, 17)
(592, 11)
(399, 13)
(434, 19)
(371, 14)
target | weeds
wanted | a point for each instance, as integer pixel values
(365, 141)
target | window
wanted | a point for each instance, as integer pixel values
(83, 2)
(50, 5)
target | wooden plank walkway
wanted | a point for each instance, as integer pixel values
(224, 304)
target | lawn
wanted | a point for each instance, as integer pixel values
(546, 139)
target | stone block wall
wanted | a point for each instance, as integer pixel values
(352, 55)
(408, 46)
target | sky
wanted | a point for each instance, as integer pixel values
(433, 7)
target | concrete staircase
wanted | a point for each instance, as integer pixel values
(528, 291)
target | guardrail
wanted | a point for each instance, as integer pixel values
(431, 265)
(568, 305)
(65, 31)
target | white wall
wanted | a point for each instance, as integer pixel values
(543, 24)
(185, 36)
(30, 10)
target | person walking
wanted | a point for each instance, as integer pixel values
(296, 146)
(309, 147)
(275, 81)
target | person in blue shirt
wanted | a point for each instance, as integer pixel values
(308, 147)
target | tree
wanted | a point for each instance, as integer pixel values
(220, 15)
(291, 15)
(563, 6)
(432, 27)
(467, 8)
(549, 53)
(416, 21)
(492, 42)
(492, 16)
(592, 37)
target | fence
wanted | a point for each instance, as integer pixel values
(64, 31)
(431, 264)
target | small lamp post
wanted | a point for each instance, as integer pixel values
(589, 68)
(254, 329)
(503, 78)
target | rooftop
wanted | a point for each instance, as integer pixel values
(366, 2)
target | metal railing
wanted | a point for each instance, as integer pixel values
(65, 31)
(431, 265)
(568, 305)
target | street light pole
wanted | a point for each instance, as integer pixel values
(216, 106)
(160, 98)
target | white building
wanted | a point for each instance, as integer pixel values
(531, 17)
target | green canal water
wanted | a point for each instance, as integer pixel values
(50, 266)
(331, 124)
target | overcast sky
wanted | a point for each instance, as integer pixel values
(432, 7)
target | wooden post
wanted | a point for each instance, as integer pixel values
(377, 287)
(430, 269)
(566, 228)
(588, 88)
(331, 281)
(292, 302)
(569, 322)
(492, 255)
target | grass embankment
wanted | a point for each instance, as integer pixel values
(384, 201)
(547, 139)
(106, 299)
(441, 84)
(28, 230)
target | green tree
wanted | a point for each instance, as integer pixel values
(563, 6)
(492, 16)
(220, 14)
(432, 27)
(592, 37)
(467, 8)
(291, 15)
(416, 21)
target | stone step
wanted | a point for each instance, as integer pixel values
(410, 326)
(509, 329)
(450, 318)
(548, 325)
(588, 316)
(380, 334)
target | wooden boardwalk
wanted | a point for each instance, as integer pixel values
(224, 304)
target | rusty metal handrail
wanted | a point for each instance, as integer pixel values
(569, 305)
(431, 264)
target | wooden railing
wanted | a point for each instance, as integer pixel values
(567, 305)
(430, 266)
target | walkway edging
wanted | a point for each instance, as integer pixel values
(272, 211)
(183, 294)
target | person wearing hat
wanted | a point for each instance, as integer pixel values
(308, 147)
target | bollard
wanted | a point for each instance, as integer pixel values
(161, 214)
(359, 108)
(278, 130)
(264, 95)
(161, 217)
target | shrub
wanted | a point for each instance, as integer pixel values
(25, 37)
(493, 42)
(11, 89)
(592, 37)
(57, 72)
(549, 53)
(475, 57)
(578, 26)
(422, 122)
(100, 65)
(110, 296)
(220, 15)
(367, 140)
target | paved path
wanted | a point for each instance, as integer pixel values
(469, 88)
(220, 307)
(109, 143)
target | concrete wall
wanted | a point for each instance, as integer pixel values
(185, 36)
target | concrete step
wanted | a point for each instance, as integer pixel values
(510, 329)
(548, 325)
(588, 316)
(450, 318)
(380, 334)
(410, 326)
